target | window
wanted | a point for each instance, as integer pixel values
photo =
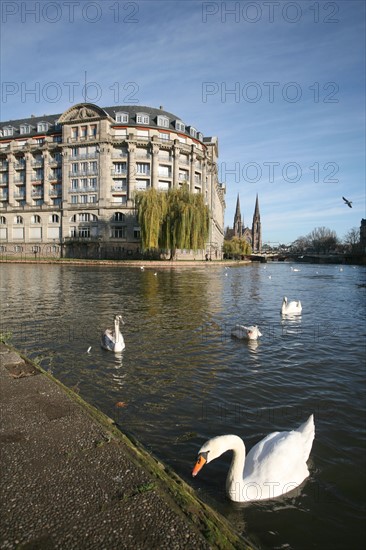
(92, 198)
(119, 232)
(164, 171)
(57, 139)
(74, 132)
(142, 168)
(122, 117)
(120, 167)
(93, 131)
(119, 217)
(9, 131)
(75, 168)
(83, 199)
(54, 218)
(163, 121)
(39, 141)
(2, 220)
(136, 233)
(164, 135)
(35, 219)
(18, 220)
(74, 184)
(42, 126)
(83, 131)
(74, 199)
(192, 131)
(142, 118)
(25, 128)
(180, 126)
(84, 232)
(92, 183)
(200, 136)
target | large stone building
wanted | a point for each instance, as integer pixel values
(68, 181)
(252, 235)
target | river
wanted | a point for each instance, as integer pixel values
(183, 379)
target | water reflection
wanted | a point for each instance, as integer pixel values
(183, 379)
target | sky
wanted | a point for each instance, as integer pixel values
(280, 83)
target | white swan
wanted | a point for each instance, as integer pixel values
(113, 340)
(249, 333)
(291, 308)
(273, 467)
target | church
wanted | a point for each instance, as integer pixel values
(252, 235)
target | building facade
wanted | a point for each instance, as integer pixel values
(252, 235)
(68, 181)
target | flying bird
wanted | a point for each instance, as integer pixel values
(348, 203)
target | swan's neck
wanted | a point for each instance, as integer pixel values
(234, 480)
(117, 333)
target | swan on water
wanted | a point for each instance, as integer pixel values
(290, 308)
(248, 333)
(112, 340)
(273, 467)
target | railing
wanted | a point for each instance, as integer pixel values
(83, 173)
(119, 189)
(122, 172)
(83, 190)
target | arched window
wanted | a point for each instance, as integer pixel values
(18, 220)
(119, 217)
(36, 219)
(2, 220)
(54, 218)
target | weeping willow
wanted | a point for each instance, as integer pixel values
(172, 219)
(151, 206)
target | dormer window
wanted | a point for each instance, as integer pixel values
(180, 126)
(142, 118)
(122, 117)
(25, 129)
(192, 131)
(8, 131)
(200, 136)
(42, 126)
(163, 121)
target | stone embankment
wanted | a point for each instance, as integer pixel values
(71, 479)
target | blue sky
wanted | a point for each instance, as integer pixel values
(280, 83)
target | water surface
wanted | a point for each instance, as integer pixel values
(182, 379)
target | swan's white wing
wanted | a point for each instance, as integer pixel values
(279, 459)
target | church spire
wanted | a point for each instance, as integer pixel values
(238, 224)
(257, 228)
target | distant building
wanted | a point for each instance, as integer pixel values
(363, 236)
(252, 235)
(68, 181)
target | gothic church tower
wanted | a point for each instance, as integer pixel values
(256, 229)
(238, 224)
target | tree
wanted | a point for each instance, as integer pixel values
(352, 240)
(236, 248)
(323, 239)
(172, 219)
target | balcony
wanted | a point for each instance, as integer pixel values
(83, 190)
(37, 193)
(37, 164)
(19, 165)
(116, 173)
(19, 181)
(119, 188)
(83, 173)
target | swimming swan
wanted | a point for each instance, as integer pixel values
(290, 308)
(113, 340)
(273, 467)
(250, 333)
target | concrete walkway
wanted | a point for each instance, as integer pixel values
(71, 480)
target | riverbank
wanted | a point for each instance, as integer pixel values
(71, 479)
(164, 264)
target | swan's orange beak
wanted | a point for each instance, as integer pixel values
(201, 461)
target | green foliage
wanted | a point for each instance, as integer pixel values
(5, 337)
(236, 248)
(172, 219)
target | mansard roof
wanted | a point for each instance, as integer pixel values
(90, 112)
